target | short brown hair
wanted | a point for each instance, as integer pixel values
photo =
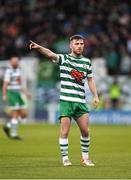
(76, 36)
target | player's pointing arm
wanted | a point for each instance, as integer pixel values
(46, 52)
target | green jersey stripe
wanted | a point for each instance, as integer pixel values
(72, 99)
(65, 72)
(71, 87)
(89, 75)
(70, 67)
(90, 72)
(68, 72)
(68, 79)
(72, 84)
(67, 68)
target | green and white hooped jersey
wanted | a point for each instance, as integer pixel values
(13, 76)
(73, 73)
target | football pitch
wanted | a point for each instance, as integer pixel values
(38, 155)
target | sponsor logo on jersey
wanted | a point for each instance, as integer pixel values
(77, 75)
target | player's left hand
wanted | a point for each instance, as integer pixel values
(95, 101)
(28, 95)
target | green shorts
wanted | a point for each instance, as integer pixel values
(72, 109)
(14, 100)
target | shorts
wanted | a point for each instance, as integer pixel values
(72, 109)
(14, 100)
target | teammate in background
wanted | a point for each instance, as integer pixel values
(75, 69)
(12, 91)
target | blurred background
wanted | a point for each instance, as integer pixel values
(106, 27)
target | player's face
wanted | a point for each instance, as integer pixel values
(14, 62)
(77, 46)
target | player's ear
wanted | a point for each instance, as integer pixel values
(70, 45)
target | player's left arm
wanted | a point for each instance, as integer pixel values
(45, 51)
(6, 81)
(4, 91)
(92, 87)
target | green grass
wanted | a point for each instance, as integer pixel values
(38, 156)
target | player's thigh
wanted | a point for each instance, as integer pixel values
(14, 113)
(83, 123)
(65, 109)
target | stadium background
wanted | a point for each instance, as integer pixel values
(106, 26)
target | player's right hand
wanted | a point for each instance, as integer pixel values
(28, 95)
(33, 45)
(4, 98)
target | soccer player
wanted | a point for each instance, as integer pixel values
(12, 91)
(75, 69)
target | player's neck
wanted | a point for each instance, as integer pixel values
(76, 55)
(14, 67)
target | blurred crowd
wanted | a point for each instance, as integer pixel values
(105, 25)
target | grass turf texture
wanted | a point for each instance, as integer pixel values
(38, 156)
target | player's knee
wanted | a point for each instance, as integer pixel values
(85, 133)
(64, 133)
(23, 114)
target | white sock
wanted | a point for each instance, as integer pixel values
(14, 127)
(8, 124)
(85, 155)
(63, 142)
(22, 120)
(85, 142)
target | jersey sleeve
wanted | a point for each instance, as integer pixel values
(60, 60)
(7, 75)
(89, 71)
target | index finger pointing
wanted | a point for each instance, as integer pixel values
(31, 41)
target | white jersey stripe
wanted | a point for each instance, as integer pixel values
(65, 68)
(66, 76)
(64, 90)
(15, 87)
(81, 59)
(13, 77)
(75, 64)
